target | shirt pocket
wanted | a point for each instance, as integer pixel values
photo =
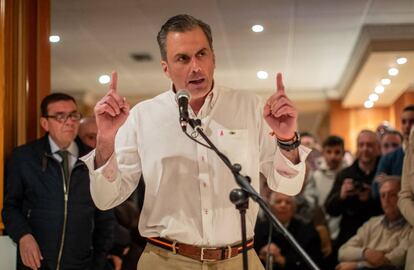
(234, 143)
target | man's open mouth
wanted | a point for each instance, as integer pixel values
(199, 81)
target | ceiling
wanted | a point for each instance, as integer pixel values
(316, 44)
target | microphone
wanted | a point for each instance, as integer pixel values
(183, 97)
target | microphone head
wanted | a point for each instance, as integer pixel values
(182, 94)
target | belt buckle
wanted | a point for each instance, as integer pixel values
(202, 255)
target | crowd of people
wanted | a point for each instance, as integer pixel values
(369, 225)
(96, 192)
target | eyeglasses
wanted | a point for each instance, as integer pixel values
(63, 117)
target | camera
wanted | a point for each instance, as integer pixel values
(359, 185)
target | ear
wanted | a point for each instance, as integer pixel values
(44, 124)
(164, 66)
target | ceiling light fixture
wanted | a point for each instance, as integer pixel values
(262, 75)
(401, 61)
(368, 104)
(257, 28)
(385, 81)
(104, 79)
(373, 97)
(393, 72)
(379, 89)
(54, 39)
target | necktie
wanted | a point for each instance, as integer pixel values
(65, 164)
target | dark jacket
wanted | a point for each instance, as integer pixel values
(304, 233)
(34, 203)
(354, 212)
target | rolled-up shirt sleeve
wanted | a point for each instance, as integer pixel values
(286, 177)
(113, 183)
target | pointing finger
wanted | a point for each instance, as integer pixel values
(279, 83)
(114, 81)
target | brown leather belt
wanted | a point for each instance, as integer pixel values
(200, 253)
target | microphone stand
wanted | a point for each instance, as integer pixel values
(240, 198)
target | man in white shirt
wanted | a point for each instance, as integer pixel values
(187, 215)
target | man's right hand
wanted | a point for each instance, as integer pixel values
(376, 258)
(30, 251)
(111, 113)
(347, 188)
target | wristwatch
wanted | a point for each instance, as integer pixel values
(289, 144)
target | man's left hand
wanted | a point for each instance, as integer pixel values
(279, 112)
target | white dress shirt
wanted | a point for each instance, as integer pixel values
(187, 185)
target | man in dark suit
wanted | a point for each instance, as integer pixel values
(48, 209)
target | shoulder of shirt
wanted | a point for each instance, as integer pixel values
(230, 92)
(161, 98)
(376, 219)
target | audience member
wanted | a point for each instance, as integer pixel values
(351, 193)
(285, 256)
(309, 140)
(391, 140)
(321, 181)
(406, 196)
(391, 163)
(48, 210)
(87, 131)
(382, 242)
(383, 127)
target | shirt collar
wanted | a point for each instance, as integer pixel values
(72, 149)
(209, 102)
(391, 225)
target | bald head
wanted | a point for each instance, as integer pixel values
(87, 131)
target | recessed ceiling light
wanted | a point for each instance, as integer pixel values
(104, 79)
(262, 75)
(368, 104)
(393, 71)
(401, 60)
(379, 89)
(373, 97)
(385, 81)
(54, 38)
(257, 28)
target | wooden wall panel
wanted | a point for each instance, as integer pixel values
(348, 122)
(2, 92)
(25, 72)
(405, 99)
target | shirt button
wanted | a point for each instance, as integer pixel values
(205, 211)
(204, 185)
(202, 158)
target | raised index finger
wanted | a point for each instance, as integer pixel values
(114, 81)
(279, 83)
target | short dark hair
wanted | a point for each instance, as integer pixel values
(392, 132)
(333, 140)
(409, 108)
(181, 23)
(55, 97)
(306, 134)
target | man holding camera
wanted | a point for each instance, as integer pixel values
(351, 193)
